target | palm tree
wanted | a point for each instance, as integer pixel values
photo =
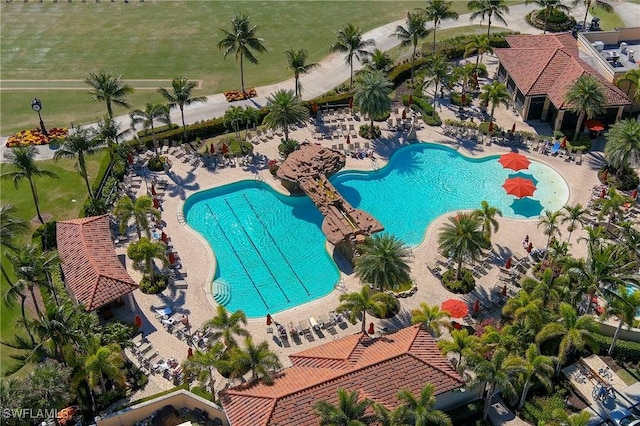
(462, 238)
(78, 145)
(493, 372)
(532, 365)
(479, 45)
(297, 61)
(204, 364)
(383, 262)
(285, 109)
(386, 417)
(548, 6)
(372, 94)
(140, 210)
(181, 96)
(11, 227)
(432, 318)
(494, 94)
(102, 362)
(468, 75)
(421, 411)
(350, 42)
(24, 166)
(612, 206)
(54, 330)
(437, 71)
(633, 76)
(461, 343)
(152, 113)
(258, 359)
(225, 326)
(348, 412)
(549, 223)
(241, 41)
(143, 253)
(488, 9)
(108, 131)
(574, 215)
(622, 149)
(487, 213)
(625, 307)
(600, 4)
(525, 309)
(108, 88)
(586, 98)
(379, 61)
(232, 118)
(250, 117)
(414, 31)
(438, 11)
(575, 332)
(49, 386)
(547, 289)
(357, 303)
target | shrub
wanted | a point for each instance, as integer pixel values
(147, 287)
(582, 143)
(454, 47)
(465, 284)
(160, 129)
(287, 147)
(156, 163)
(556, 21)
(541, 408)
(484, 128)
(273, 166)
(366, 132)
(426, 110)
(329, 100)
(400, 73)
(392, 306)
(201, 392)
(382, 117)
(456, 99)
(625, 350)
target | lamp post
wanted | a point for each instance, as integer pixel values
(36, 105)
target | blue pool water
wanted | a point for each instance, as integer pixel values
(270, 249)
(632, 288)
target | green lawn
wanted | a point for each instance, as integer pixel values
(608, 20)
(56, 198)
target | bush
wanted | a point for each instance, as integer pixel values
(287, 147)
(366, 132)
(429, 115)
(329, 100)
(625, 179)
(160, 129)
(541, 408)
(556, 21)
(466, 283)
(484, 128)
(392, 306)
(454, 47)
(624, 350)
(273, 166)
(456, 99)
(202, 393)
(582, 143)
(467, 413)
(156, 163)
(402, 72)
(147, 287)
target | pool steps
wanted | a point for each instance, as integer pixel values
(221, 292)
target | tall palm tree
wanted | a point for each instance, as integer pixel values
(600, 4)
(525, 309)
(549, 6)
(285, 109)
(203, 365)
(11, 227)
(225, 326)
(372, 94)
(412, 33)
(348, 412)
(181, 96)
(549, 224)
(623, 145)
(140, 211)
(548, 289)
(468, 75)
(462, 238)
(103, 362)
(461, 343)
(257, 359)
(48, 383)
(421, 411)
(386, 417)
(586, 98)
(23, 165)
(488, 213)
(494, 94)
(233, 116)
(633, 76)
(379, 61)
(532, 365)
(575, 331)
(479, 44)
(488, 9)
(625, 307)
(438, 71)
(251, 117)
(432, 318)
(148, 116)
(612, 206)
(383, 262)
(108, 131)
(143, 253)
(438, 11)
(78, 145)
(108, 88)
(493, 373)
(574, 216)
(54, 330)
(357, 303)
(350, 43)
(297, 61)
(242, 40)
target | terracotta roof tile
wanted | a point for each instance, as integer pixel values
(91, 268)
(378, 368)
(547, 64)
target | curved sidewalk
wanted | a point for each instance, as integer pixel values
(331, 73)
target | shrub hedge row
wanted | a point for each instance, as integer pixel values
(624, 349)
(422, 105)
(454, 47)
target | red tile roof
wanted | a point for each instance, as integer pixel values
(547, 64)
(90, 265)
(378, 368)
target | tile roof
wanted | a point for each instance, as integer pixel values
(547, 64)
(92, 270)
(377, 368)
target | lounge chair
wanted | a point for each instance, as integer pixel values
(579, 157)
(304, 329)
(556, 148)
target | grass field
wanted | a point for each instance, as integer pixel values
(608, 20)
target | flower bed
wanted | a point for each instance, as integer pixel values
(237, 95)
(36, 137)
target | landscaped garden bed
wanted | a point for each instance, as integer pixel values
(238, 95)
(36, 137)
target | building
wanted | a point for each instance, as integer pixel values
(376, 367)
(538, 71)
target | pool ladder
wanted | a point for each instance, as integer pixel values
(181, 219)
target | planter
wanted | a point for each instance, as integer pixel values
(238, 95)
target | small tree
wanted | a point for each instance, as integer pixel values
(143, 253)
(360, 302)
(586, 98)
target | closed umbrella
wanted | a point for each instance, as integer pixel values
(476, 306)
(513, 128)
(212, 149)
(137, 321)
(348, 139)
(172, 258)
(225, 148)
(153, 190)
(130, 158)
(530, 247)
(190, 353)
(404, 114)
(156, 203)
(491, 127)
(634, 194)
(164, 237)
(350, 103)
(504, 291)
(269, 319)
(507, 264)
(371, 329)
(463, 98)
(410, 102)
(456, 308)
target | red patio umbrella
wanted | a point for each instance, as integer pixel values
(520, 187)
(156, 203)
(507, 264)
(190, 353)
(410, 101)
(164, 237)
(476, 306)
(153, 190)
(514, 161)
(172, 258)
(456, 308)
(130, 158)
(513, 128)
(634, 194)
(370, 330)
(137, 321)
(529, 247)
(594, 125)
(269, 319)
(314, 107)
(350, 103)
(504, 291)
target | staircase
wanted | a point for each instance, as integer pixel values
(221, 292)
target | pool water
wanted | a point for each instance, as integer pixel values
(632, 288)
(270, 249)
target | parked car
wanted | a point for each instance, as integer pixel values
(622, 417)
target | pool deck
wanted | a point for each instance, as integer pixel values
(197, 258)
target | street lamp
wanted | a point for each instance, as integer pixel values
(36, 105)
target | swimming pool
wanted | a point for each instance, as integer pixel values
(270, 249)
(632, 288)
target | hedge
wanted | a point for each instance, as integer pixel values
(454, 47)
(628, 351)
(400, 73)
(422, 105)
(147, 132)
(337, 99)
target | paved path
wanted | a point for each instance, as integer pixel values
(331, 73)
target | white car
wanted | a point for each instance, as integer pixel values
(622, 417)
